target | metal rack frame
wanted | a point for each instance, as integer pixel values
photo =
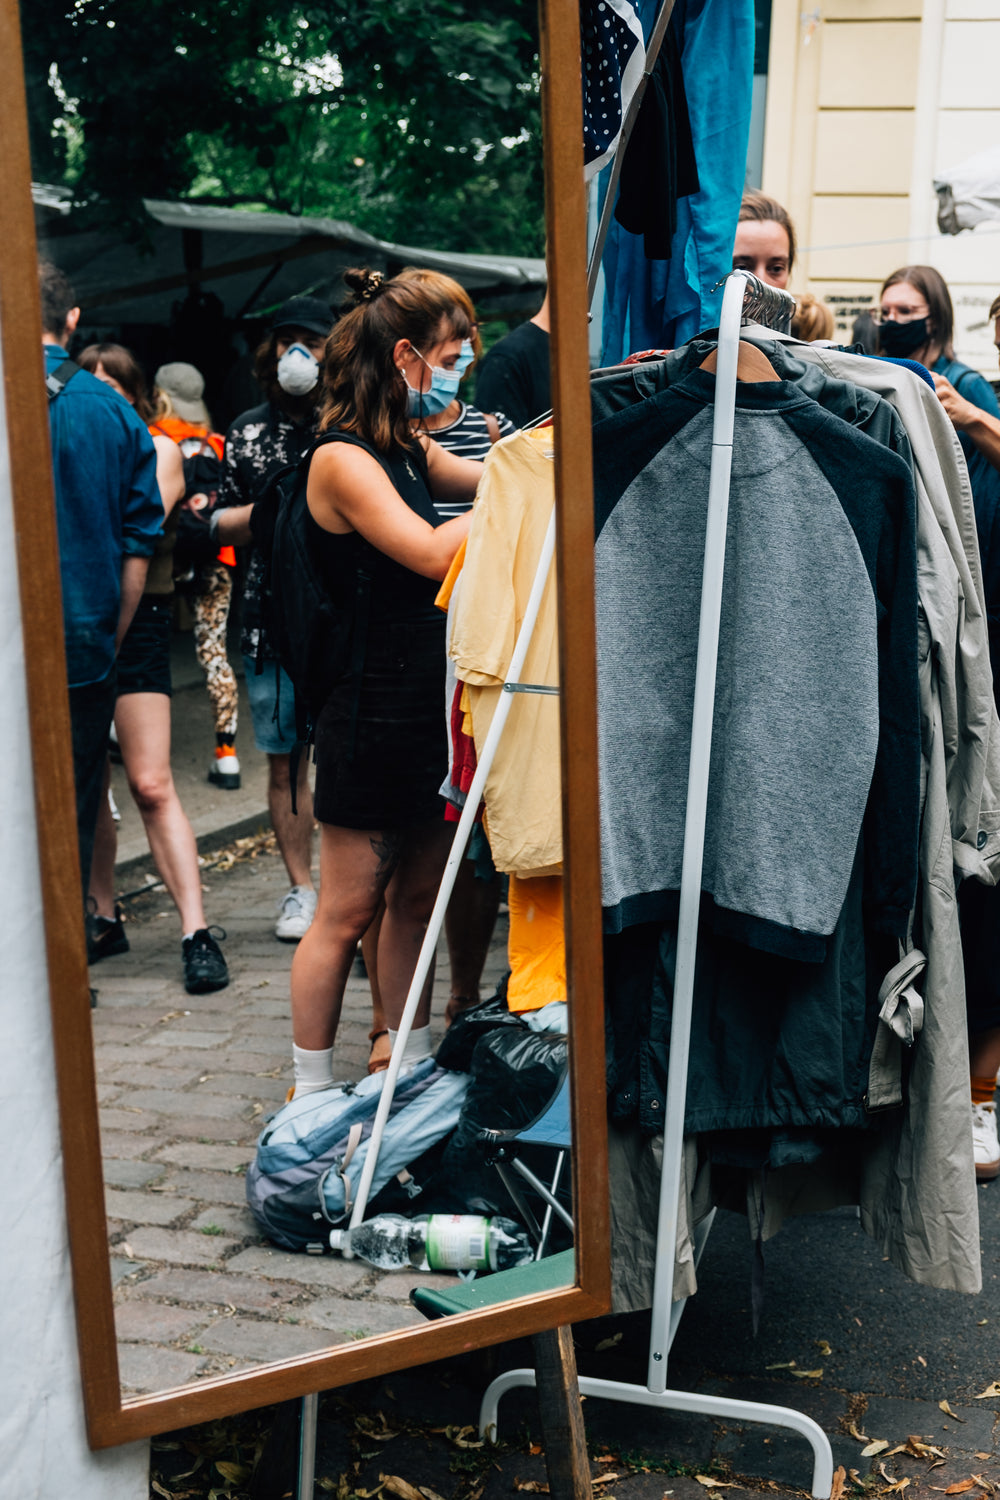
(745, 299)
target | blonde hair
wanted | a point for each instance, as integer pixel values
(447, 287)
(812, 319)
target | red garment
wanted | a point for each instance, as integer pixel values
(463, 762)
(644, 354)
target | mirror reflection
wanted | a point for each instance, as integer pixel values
(281, 689)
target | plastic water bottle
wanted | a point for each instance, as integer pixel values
(436, 1242)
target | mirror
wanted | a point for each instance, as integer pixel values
(189, 1359)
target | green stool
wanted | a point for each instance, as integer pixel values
(486, 1291)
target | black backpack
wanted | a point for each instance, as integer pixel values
(317, 639)
(195, 550)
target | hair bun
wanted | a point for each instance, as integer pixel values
(364, 284)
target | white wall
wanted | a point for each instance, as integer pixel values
(43, 1445)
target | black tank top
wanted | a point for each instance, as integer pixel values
(397, 593)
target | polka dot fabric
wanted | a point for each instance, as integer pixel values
(613, 51)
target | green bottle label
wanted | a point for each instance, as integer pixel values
(458, 1242)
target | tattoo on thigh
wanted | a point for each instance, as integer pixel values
(386, 847)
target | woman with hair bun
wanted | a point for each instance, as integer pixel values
(381, 750)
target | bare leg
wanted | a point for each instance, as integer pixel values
(355, 866)
(293, 831)
(468, 925)
(102, 865)
(409, 900)
(984, 1048)
(381, 1051)
(143, 724)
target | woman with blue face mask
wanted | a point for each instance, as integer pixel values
(458, 426)
(381, 750)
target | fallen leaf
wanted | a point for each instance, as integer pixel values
(859, 1322)
(430, 1494)
(948, 1411)
(808, 1374)
(993, 1389)
(457, 1435)
(862, 1437)
(961, 1487)
(397, 1486)
(160, 1490)
(603, 1458)
(534, 1449)
(235, 1473)
(982, 1322)
(127, 1250)
(715, 1484)
(855, 1478)
(897, 1488)
(839, 1479)
(533, 1486)
(788, 1365)
(987, 1486)
(921, 1360)
(878, 1446)
(824, 1347)
(920, 1449)
(982, 1455)
(607, 1343)
(605, 1478)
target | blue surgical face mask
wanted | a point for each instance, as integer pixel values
(465, 357)
(444, 389)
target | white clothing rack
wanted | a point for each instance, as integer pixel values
(744, 297)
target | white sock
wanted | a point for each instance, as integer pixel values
(313, 1070)
(418, 1047)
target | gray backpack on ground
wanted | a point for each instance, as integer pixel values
(311, 1154)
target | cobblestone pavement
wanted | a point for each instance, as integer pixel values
(184, 1086)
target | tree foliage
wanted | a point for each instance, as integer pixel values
(416, 119)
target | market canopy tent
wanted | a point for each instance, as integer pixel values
(970, 193)
(250, 261)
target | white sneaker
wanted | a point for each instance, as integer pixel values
(225, 769)
(985, 1142)
(296, 913)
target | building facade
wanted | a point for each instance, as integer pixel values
(867, 101)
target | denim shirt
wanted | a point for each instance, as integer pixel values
(108, 507)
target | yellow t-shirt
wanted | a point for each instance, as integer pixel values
(511, 515)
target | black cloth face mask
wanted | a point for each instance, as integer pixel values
(899, 340)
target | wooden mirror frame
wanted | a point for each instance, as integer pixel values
(110, 1419)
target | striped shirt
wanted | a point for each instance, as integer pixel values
(468, 437)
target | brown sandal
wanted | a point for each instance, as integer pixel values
(381, 1051)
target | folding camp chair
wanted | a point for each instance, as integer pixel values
(551, 1129)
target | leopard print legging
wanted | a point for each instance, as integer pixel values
(211, 616)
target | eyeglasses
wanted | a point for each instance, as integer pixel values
(898, 314)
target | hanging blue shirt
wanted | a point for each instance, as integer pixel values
(108, 507)
(655, 304)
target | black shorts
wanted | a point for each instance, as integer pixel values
(144, 658)
(386, 770)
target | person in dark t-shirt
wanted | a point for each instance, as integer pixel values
(514, 379)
